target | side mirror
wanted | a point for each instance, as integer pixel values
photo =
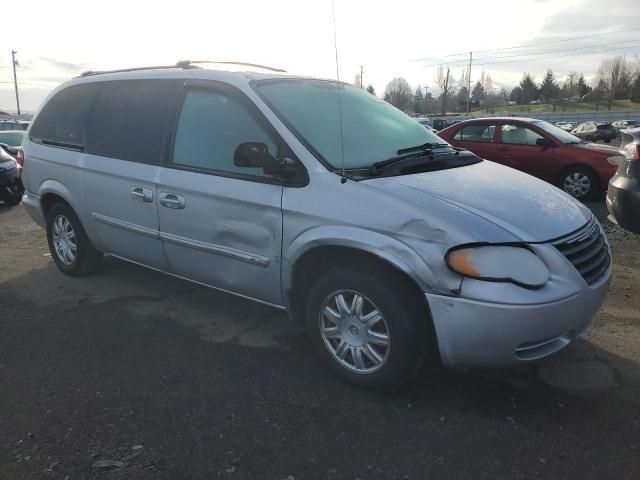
(256, 155)
(544, 142)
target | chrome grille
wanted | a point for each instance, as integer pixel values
(587, 250)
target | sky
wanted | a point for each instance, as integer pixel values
(60, 39)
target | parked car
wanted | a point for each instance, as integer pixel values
(11, 189)
(592, 132)
(390, 247)
(566, 126)
(424, 121)
(10, 125)
(539, 149)
(623, 197)
(624, 124)
(13, 138)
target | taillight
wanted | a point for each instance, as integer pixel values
(20, 159)
(631, 151)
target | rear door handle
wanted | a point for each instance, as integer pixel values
(171, 200)
(142, 194)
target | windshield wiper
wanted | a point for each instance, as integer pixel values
(424, 147)
(407, 154)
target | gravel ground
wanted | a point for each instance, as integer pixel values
(133, 374)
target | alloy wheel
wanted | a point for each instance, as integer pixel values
(64, 240)
(354, 331)
(577, 184)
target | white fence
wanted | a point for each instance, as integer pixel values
(573, 117)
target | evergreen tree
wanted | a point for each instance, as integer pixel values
(549, 87)
(478, 93)
(371, 90)
(529, 90)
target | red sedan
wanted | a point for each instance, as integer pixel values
(536, 147)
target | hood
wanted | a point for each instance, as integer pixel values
(523, 207)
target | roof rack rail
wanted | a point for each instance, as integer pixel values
(184, 64)
(245, 64)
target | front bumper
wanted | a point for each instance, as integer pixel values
(9, 176)
(472, 333)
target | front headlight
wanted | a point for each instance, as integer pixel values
(499, 263)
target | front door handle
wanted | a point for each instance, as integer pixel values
(171, 200)
(142, 194)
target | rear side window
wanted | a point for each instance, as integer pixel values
(129, 119)
(475, 133)
(63, 120)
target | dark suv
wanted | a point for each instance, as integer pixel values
(592, 132)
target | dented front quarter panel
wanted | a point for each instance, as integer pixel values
(408, 235)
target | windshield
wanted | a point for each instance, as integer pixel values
(558, 133)
(372, 129)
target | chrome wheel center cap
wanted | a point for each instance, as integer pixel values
(353, 329)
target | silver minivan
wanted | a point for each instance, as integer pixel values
(316, 198)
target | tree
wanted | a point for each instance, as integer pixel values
(635, 89)
(444, 81)
(516, 94)
(418, 101)
(478, 93)
(371, 90)
(549, 87)
(615, 76)
(570, 85)
(583, 88)
(529, 89)
(398, 93)
(357, 80)
(462, 96)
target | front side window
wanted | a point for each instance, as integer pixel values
(339, 121)
(518, 135)
(475, 133)
(63, 120)
(212, 125)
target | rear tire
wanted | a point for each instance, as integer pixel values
(579, 182)
(69, 245)
(377, 353)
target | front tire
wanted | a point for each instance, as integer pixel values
(579, 182)
(369, 330)
(69, 245)
(12, 195)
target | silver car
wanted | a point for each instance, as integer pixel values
(314, 197)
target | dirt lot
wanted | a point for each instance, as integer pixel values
(171, 380)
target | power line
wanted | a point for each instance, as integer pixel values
(522, 57)
(531, 44)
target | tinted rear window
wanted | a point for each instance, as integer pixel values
(63, 120)
(130, 118)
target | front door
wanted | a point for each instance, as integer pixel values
(221, 224)
(518, 148)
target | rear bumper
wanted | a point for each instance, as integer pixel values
(31, 203)
(624, 206)
(472, 333)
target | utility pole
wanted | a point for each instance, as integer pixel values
(361, 79)
(469, 79)
(15, 79)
